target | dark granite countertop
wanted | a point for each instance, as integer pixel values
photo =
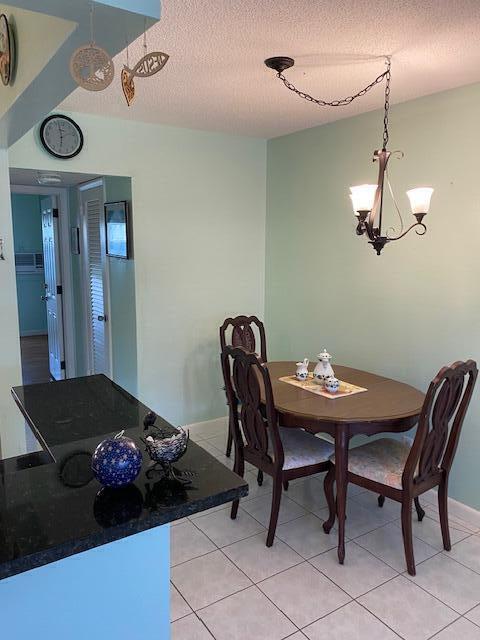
(51, 507)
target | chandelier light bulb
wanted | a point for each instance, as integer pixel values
(420, 199)
(363, 197)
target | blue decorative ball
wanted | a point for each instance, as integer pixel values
(116, 461)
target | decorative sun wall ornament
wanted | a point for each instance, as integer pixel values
(91, 66)
(150, 64)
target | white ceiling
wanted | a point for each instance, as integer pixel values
(28, 177)
(216, 80)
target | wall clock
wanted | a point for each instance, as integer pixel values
(7, 51)
(61, 136)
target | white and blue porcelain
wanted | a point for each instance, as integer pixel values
(332, 384)
(116, 462)
(302, 370)
(323, 368)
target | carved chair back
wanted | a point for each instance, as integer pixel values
(440, 423)
(255, 423)
(243, 334)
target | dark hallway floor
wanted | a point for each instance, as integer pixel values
(34, 352)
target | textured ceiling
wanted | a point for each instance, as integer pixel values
(216, 80)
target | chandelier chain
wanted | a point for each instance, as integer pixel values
(388, 77)
(334, 103)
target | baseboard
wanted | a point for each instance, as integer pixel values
(33, 332)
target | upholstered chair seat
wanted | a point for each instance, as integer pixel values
(381, 461)
(302, 449)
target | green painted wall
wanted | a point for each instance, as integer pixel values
(27, 237)
(123, 324)
(197, 197)
(417, 306)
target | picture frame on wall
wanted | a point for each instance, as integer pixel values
(117, 229)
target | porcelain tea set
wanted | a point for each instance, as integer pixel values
(323, 373)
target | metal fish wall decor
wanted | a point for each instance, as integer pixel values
(149, 65)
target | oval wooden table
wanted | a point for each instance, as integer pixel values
(386, 406)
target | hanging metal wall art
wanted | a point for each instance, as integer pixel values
(91, 66)
(7, 51)
(150, 64)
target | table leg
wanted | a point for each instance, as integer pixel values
(342, 436)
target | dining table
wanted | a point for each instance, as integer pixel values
(386, 406)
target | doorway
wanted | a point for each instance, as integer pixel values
(84, 298)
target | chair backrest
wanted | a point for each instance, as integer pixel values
(440, 423)
(259, 436)
(243, 335)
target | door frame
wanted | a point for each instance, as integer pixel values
(81, 188)
(65, 267)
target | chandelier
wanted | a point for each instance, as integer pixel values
(367, 199)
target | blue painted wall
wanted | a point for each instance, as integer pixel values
(27, 235)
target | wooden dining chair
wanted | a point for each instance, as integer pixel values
(242, 334)
(282, 453)
(401, 472)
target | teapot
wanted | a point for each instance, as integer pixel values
(302, 370)
(323, 368)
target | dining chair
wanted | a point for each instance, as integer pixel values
(282, 453)
(242, 335)
(402, 472)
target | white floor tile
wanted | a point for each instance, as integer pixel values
(210, 429)
(220, 442)
(189, 628)
(261, 507)
(258, 561)
(220, 507)
(222, 530)
(246, 615)
(297, 636)
(187, 542)
(309, 494)
(474, 615)
(454, 521)
(178, 606)
(368, 499)
(461, 629)
(360, 573)
(306, 536)
(387, 544)
(351, 622)
(207, 579)
(303, 594)
(430, 532)
(467, 552)
(219, 455)
(407, 609)
(361, 520)
(254, 489)
(450, 582)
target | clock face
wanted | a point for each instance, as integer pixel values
(61, 136)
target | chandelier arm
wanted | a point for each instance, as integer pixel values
(395, 203)
(342, 102)
(413, 226)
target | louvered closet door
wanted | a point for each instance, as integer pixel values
(96, 279)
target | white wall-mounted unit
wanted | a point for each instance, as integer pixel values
(29, 262)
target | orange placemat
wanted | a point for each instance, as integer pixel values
(345, 389)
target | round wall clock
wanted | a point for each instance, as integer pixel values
(7, 51)
(61, 136)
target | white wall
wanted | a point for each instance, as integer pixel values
(12, 433)
(197, 198)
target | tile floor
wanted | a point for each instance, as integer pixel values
(226, 585)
